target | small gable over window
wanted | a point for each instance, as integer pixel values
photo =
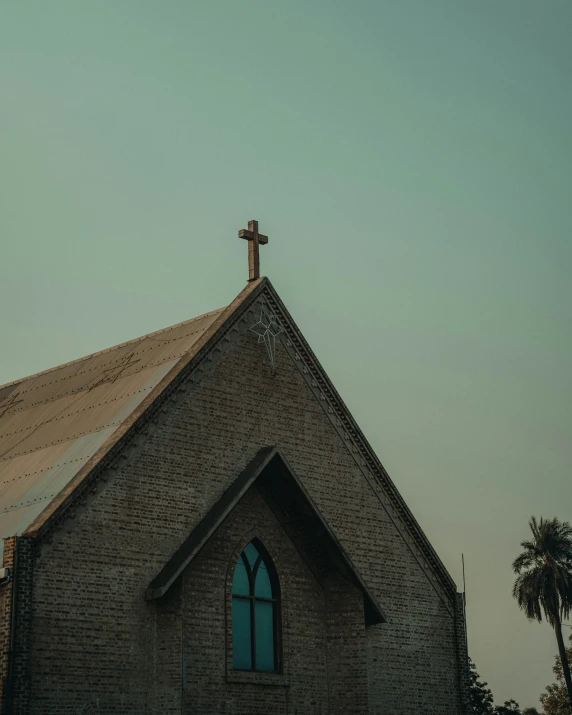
(270, 470)
(255, 611)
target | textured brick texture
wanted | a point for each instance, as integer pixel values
(96, 646)
(210, 684)
(19, 556)
(6, 600)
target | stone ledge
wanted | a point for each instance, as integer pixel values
(251, 678)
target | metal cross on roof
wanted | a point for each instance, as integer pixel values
(254, 239)
(267, 330)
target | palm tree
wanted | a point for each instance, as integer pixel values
(544, 579)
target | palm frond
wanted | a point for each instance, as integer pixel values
(544, 571)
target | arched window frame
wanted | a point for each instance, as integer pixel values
(252, 572)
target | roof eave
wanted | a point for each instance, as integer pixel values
(122, 436)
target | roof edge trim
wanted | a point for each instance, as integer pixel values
(378, 471)
(209, 524)
(145, 411)
(222, 508)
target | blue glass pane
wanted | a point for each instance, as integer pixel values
(262, 586)
(264, 620)
(240, 585)
(241, 646)
(251, 554)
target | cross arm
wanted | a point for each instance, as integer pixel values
(249, 235)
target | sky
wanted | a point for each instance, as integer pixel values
(411, 163)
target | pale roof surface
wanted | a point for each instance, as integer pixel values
(52, 423)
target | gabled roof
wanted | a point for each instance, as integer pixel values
(54, 424)
(60, 429)
(260, 469)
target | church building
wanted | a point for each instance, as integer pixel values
(193, 524)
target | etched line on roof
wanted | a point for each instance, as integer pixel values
(113, 347)
(67, 438)
(83, 458)
(97, 367)
(83, 388)
(112, 374)
(174, 340)
(3, 454)
(8, 403)
(60, 416)
(23, 505)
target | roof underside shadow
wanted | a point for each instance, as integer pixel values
(296, 512)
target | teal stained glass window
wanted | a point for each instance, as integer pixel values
(255, 614)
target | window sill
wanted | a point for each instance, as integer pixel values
(240, 676)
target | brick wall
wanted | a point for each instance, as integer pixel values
(6, 600)
(346, 653)
(19, 556)
(96, 642)
(211, 684)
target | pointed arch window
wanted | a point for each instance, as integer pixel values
(255, 611)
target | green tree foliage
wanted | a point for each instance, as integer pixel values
(481, 696)
(510, 706)
(482, 699)
(555, 700)
(544, 580)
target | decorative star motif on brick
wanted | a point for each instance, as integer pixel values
(112, 374)
(7, 403)
(267, 329)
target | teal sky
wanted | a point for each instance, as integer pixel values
(412, 164)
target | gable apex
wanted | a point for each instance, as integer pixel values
(254, 471)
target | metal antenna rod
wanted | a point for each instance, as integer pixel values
(464, 584)
(465, 613)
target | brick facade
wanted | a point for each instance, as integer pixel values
(6, 625)
(96, 646)
(16, 604)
